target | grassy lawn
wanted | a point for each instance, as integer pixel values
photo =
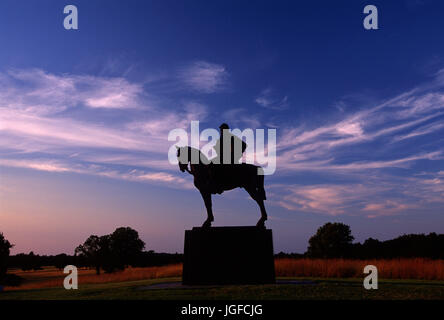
(320, 288)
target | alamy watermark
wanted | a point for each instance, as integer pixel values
(71, 280)
(371, 281)
(259, 146)
(71, 21)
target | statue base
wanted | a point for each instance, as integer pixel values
(228, 255)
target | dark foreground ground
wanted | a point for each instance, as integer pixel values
(287, 289)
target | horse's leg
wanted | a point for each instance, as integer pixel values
(210, 218)
(261, 222)
(255, 194)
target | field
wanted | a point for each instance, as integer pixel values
(298, 279)
(420, 269)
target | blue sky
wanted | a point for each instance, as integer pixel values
(85, 116)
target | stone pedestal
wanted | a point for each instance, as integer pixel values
(228, 255)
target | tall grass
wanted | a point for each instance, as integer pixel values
(54, 278)
(424, 269)
(417, 268)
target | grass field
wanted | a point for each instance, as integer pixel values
(52, 277)
(319, 289)
(328, 279)
(418, 268)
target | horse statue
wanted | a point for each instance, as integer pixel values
(237, 176)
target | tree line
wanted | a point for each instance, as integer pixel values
(123, 248)
(31, 261)
(118, 250)
(107, 253)
(335, 240)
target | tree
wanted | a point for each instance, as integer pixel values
(94, 250)
(371, 248)
(5, 245)
(126, 246)
(33, 262)
(332, 240)
(61, 261)
(110, 252)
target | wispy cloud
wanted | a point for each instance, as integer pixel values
(242, 118)
(43, 93)
(386, 208)
(368, 147)
(112, 127)
(268, 99)
(328, 165)
(427, 129)
(49, 166)
(368, 198)
(326, 199)
(323, 148)
(136, 175)
(60, 117)
(204, 77)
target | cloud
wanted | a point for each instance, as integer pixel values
(98, 170)
(49, 166)
(325, 147)
(40, 132)
(142, 143)
(329, 165)
(421, 104)
(397, 163)
(114, 94)
(386, 208)
(40, 92)
(370, 199)
(427, 129)
(204, 77)
(112, 127)
(350, 129)
(427, 189)
(328, 199)
(242, 118)
(325, 199)
(269, 100)
(60, 117)
(358, 162)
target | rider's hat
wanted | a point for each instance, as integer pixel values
(224, 126)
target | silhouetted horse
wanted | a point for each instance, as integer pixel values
(235, 176)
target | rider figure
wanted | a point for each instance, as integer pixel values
(229, 149)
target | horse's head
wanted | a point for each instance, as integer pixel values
(182, 157)
(187, 155)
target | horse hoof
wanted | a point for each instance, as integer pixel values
(261, 224)
(206, 224)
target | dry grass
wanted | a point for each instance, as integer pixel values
(424, 269)
(418, 268)
(51, 277)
